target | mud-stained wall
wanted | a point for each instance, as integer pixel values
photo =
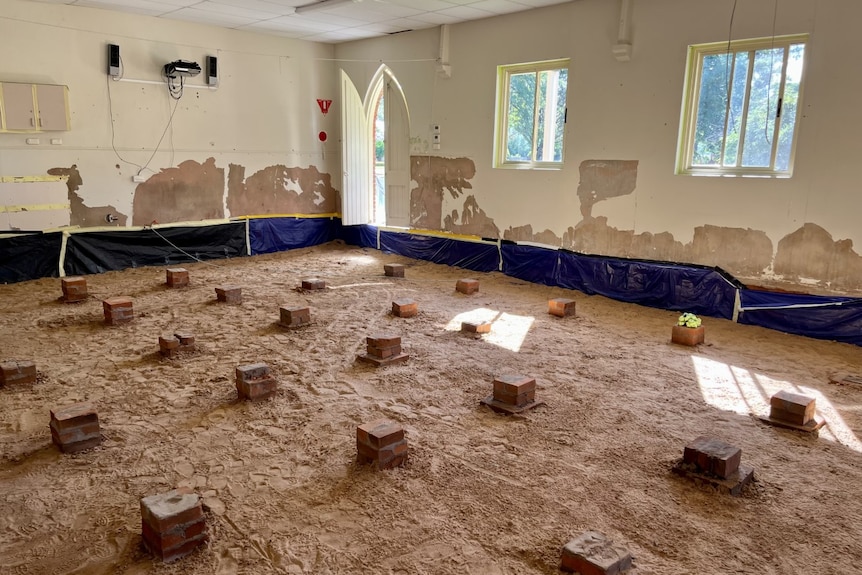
(811, 253)
(80, 213)
(189, 192)
(473, 221)
(434, 175)
(525, 234)
(281, 190)
(603, 179)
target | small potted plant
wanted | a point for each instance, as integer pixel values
(688, 330)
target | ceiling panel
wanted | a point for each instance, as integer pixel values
(329, 21)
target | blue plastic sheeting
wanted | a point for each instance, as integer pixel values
(30, 257)
(97, 252)
(362, 236)
(279, 234)
(474, 256)
(832, 318)
(702, 291)
(532, 264)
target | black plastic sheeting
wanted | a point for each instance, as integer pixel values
(267, 235)
(96, 252)
(822, 317)
(703, 291)
(30, 257)
(474, 256)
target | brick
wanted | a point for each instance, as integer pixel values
(383, 352)
(257, 389)
(172, 509)
(177, 277)
(313, 284)
(118, 310)
(561, 307)
(404, 308)
(381, 443)
(74, 289)
(792, 407)
(515, 389)
(187, 341)
(252, 371)
(687, 335)
(379, 433)
(382, 340)
(168, 345)
(594, 554)
(294, 316)
(75, 427)
(711, 455)
(14, 372)
(467, 286)
(394, 270)
(172, 524)
(229, 294)
(476, 326)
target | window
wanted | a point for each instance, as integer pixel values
(740, 109)
(531, 114)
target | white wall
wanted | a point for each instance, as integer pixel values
(263, 113)
(631, 110)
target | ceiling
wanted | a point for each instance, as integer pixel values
(332, 22)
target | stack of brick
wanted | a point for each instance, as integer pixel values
(383, 349)
(467, 286)
(294, 317)
(118, 310)
(229, 294)
(312, 284)
(177, 277)
(170, 346)
(394, 270)
(594, 554)
(75, 427)
(512, 394)
(404, 308)
(794, 411)
(381, 443)
(561, 307)
(12, 372)
(715, 462)
(172, 524)
(255, 382)
(74, 289)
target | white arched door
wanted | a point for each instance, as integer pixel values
(356, 157)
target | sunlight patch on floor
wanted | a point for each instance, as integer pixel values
(507, 330)
(738, 390)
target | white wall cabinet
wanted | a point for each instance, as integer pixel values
(33, 107)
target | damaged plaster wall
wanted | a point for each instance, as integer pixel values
(281, 190)
(617, 193)
(262, 116)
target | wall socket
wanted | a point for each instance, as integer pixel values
(137, 178)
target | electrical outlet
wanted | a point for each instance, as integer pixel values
(137, 178)
(32, 141)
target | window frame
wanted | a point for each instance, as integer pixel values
(501, 119)
(691, 102)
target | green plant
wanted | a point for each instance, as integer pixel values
(689, 320)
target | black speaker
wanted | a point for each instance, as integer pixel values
(113, 60)
(212, 70)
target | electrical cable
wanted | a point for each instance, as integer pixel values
(109, 79)
(181, 250)
(165, 131)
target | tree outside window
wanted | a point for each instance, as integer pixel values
(740, 111)
(531, 114)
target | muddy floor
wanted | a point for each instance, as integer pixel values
(481, 493)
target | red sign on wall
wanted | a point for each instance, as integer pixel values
(324, 105)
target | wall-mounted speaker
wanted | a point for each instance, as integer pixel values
(113, 60)
(212, 70)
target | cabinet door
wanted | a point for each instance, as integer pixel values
(53, 111)
(19, 108)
